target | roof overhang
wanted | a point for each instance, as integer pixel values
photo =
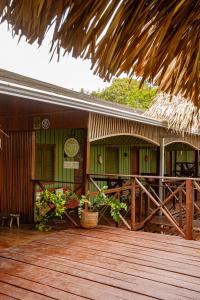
(72, 102)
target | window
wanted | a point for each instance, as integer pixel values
(45, 162)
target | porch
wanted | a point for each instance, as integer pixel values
(109, 139)
(104, 263)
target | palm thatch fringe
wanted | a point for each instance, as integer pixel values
(157, 40)
(180, 114)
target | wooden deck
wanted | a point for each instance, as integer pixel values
(104, 263)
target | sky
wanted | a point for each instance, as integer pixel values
(31, 61)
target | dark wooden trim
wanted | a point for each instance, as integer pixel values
(86, 170)
(196, 163)
(158, 161)
(137, 151)
(189, 210)
(33, 156)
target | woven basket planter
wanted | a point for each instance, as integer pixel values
(89, 219)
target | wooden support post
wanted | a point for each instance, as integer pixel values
(33, 202)
(180, 205)
(147, 205)
(140, 206)
(133, 204)
(189, 210)
(196, 171)
(87, 168)
(196, 163)
(162, 167)
(33, 164)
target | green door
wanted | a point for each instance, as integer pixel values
(45, 161)
(112, 160)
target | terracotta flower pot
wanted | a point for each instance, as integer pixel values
(89, 219)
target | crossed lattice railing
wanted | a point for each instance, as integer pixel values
(59, 186)
(170, 201)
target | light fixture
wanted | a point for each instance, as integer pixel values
(100, 160)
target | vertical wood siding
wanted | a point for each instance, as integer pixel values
(147, 161)
(16, 174)
(145, 166)
(101, 126)
(58, 137)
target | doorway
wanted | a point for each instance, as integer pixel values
(134, 162)
(112, 160)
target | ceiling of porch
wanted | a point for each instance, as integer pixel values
(126, 140)
(179, 146)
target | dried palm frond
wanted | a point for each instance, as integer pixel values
(180, 114)
(157, 40)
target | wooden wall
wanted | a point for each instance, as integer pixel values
(18, 114)
(58, 137)
(101, 126)
(17, 118)
(147, 160)
(16, 171)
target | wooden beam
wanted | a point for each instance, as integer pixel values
(180, 205)
(87, 167)
(189, 210)
(133, 221)
(162, 167)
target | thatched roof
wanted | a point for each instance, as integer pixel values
(180, 114)
(157, 40)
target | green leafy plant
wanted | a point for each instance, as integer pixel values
(71, 198)
(93, 202)
(115, 207)
(48, 206)
(100, 199)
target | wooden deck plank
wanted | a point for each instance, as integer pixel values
(19, 293)
(109, 258)
(130, 250)
(140, 242)
(112, 253)
(105, 263)
(5, 297)
(161, 238)
(36, 287)
(157, 290)
(69, 267)
(164, 277)
(61, 278)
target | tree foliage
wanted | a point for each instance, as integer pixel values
(128, 92)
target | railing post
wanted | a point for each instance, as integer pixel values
(140, 206)
(189, 210)
(33, 202)
(180, 205)
(86, 183)
(86, 191)
(133, 204)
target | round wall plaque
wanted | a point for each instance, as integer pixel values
(45, 123)
(71, 147)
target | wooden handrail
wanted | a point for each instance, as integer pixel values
(128, 176)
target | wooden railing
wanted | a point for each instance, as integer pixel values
(170, 202)
(42, 185)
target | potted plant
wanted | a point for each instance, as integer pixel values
(48, 206)
(89, 205)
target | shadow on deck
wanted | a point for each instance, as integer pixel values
(103, 263)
